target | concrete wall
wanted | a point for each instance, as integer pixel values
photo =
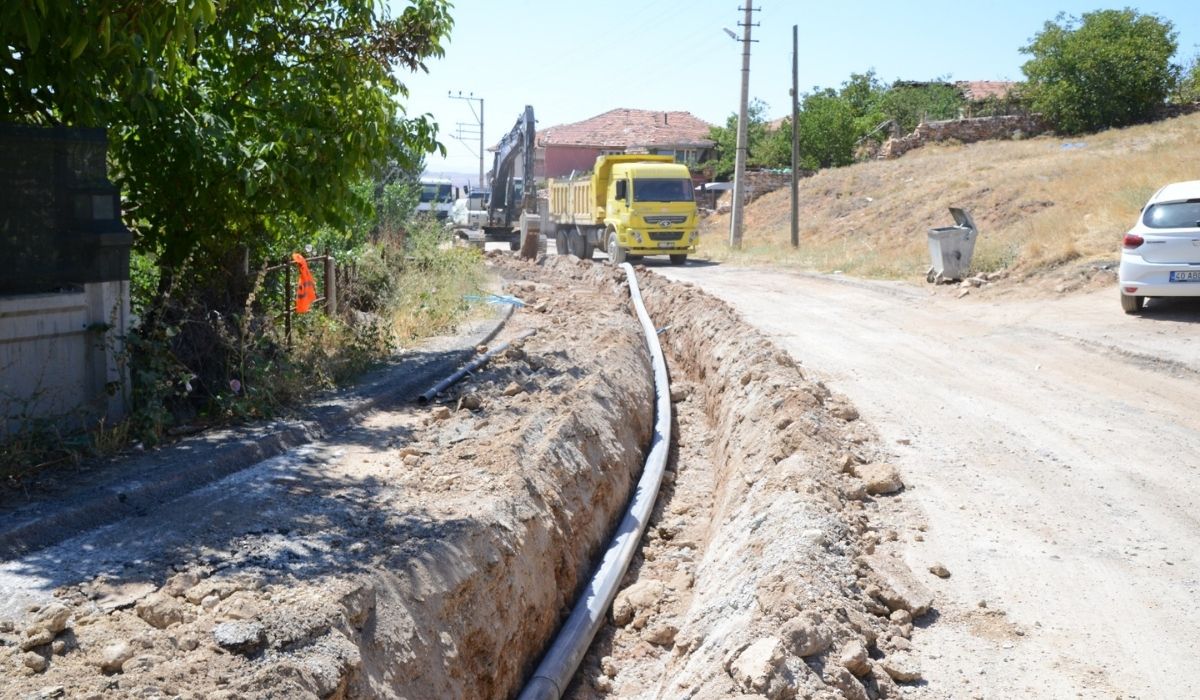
(62, 357)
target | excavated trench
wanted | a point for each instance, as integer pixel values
(433, 551)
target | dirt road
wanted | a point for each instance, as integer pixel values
(1051, 450)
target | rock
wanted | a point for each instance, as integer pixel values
(844, 681)
(679, 394)
(977, 281)
(661, 634)
(845, 412)
(160, 611)
(188, 642)
(901, 667)
(210, 602)
(53, 617)
(36, 637)
(6, 626)
(540, 307)
(244, 637)
(640, 599)
(58, 647)
(34, 661)
(411, 460)
(854, 657)
(52, 691)
(938, 569)
(901, 617)
(755, 667)
(608, 666)
(513, 389)
(179, 584)
(805, 635)
(142, 662)
(900, 590)
(886, 687)
(470, 401)
(440, 413)
(880, 478)
(963, 293)
(114, 655)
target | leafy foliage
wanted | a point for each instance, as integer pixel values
(1107, 68)
(1188, 89)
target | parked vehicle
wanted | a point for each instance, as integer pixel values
(629, 205)
(437, 197)
(470, 212)
(1160, 255)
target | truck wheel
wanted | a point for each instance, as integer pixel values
(560, 243)
(588, 249)
(616, 254)
(678, 259)
(514, 245)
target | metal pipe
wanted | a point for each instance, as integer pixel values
(474, 364)
(553, 674)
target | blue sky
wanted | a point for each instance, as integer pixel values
(572, 60)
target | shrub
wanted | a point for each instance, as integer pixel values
(1107, 68)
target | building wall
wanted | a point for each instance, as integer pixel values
(62, 357)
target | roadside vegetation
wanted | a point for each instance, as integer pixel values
(1043, 205)
(240, 134)
(1104, 69)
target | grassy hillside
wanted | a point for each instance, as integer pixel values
(1040, 204)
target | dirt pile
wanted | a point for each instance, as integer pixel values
(756, 576)
(428, 552)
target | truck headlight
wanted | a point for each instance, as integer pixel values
(695, 236)
(637, 236)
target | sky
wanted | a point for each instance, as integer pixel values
(572, 60)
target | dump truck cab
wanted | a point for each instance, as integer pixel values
(651, 209)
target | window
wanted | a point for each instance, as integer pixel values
(661, 190)
(1173, 214)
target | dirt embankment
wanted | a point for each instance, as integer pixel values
(427, 553)
(755, 576)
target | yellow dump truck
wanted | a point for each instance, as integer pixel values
(630, 205)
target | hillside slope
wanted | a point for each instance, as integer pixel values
(1046, 207)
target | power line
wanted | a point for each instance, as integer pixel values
(470, 99)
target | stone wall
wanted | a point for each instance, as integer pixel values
(965, 131)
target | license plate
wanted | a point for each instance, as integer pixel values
(672, 244)
(1185, 276)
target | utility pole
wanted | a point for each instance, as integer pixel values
(795, 137)
(471, 98)
(739, 168)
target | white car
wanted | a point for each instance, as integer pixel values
(1160, 256)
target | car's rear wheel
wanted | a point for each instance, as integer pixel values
(1132, 304)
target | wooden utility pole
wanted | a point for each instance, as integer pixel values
(739, 168)
(795, 137)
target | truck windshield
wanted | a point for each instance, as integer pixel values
(646, 190)
(438, 193)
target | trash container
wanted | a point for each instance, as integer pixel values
(951, 247)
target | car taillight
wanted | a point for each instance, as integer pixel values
(1132, 240)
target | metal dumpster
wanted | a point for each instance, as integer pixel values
(951, 247)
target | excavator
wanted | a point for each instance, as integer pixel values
(512, 212)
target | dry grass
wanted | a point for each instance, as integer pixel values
(1039, 203)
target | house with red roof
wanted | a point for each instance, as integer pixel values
(574, 147)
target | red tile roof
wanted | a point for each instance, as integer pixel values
(975, 90)
(629, 128)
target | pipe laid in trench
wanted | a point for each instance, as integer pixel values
(471, 366)
(558, 665)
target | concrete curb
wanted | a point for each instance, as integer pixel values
(132, 486)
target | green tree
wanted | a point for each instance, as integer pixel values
(911, 104)
(1107, 68)
(244, 125)
(1189, 82)
(725, 150)
(827, 131)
